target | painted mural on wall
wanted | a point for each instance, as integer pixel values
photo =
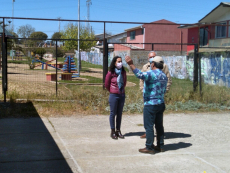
(94, 58)
(179, 66)
(215, 69)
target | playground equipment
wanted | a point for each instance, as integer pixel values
(44, 63)
(70, 67)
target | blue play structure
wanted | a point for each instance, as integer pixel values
(43, 63)
(70, 67)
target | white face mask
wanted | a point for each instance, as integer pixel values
(119, 65)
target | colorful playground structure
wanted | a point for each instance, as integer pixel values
(46, 64)
(68, 69)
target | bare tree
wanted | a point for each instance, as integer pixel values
(25, 31)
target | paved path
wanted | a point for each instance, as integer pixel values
(194, 143)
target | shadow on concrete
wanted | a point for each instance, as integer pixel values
(26, 144)
(168, 135)
(176, 146)
(134, 134)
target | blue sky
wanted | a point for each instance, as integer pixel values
(105, 10)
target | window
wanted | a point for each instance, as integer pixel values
(229, 29)
(132, 35)
(204, 36)
(221, 31)
(143, 30)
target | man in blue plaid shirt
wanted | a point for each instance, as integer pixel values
(155, 83)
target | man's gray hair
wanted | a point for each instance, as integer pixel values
(152, 52)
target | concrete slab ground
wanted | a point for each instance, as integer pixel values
(194, 143)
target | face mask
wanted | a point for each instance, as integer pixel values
(119, 65)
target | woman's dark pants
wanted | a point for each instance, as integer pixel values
(116, 102)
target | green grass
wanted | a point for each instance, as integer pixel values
(60, 59)
(85, 64)
(94, 100)
(89, 80)
(133, 79)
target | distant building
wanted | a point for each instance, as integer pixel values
(213, 32)
(161, 31)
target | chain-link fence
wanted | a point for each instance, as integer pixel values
(41, 68)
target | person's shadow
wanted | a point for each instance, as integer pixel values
(168, 135)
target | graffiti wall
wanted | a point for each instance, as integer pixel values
(215, 69)
(179, 66)
(94, 58)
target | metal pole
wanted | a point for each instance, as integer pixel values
(181, 40)
(195, 70)
(78, 42)
(105, 58)
(13, 15)
(200, 79)
(4, 62)
(56, 70)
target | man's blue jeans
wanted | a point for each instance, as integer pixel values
(153, 114)
(116, 102)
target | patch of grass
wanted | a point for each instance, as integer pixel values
(133, 79)
(85, 64)
(89, 79)
(86, 99)
(60, 59)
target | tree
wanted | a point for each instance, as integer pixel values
(25, 31)
(39, 35)
(57, 35)
(40, 51)
(71, 32)
(60, 53)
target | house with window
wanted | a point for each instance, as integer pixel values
(212, 30)
(117, 38)
(144, 36)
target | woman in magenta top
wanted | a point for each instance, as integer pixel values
(115, 82)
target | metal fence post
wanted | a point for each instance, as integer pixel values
(56, 68)
(195, 70)
(105, 61)
(4, 62)
(200, 78)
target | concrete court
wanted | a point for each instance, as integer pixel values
(194, 143)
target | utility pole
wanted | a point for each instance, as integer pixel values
(88, 3)
(13, 15)
(59, 23)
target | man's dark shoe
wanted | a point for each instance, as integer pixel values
(143, 136)
(118, 133)
(159, 149)
(146, 151)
